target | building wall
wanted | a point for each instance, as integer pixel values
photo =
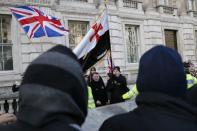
(148, 16)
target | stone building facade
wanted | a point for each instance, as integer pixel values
(135, 26)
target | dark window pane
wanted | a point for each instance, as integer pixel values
(6, 59)
(8, 62)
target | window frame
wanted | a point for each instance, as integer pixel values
(16, 50)
(88, 27)
(141, 47)
(8, 43)
(136, 27)
(166, 3)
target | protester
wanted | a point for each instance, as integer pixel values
(117, 86)
(191, 95)
(7, 118)
(53, 94)
(98, 90)
(91, 103)
(92, 70)
(161, 84)
(15, 87)
(191, 80)
(108, 78)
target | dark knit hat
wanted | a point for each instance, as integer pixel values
(161, 70)
(116, 68)
(186, 67)
(56, 70)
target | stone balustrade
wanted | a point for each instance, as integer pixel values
(8, 103)
(130, 4)
(27, 2)
(40, 2)
(167, 10)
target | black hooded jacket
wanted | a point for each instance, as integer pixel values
(99, 91)
(49, 94)
(155, 112)
(117, 86)
(161, 84)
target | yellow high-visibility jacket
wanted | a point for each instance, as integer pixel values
(191, 80)
(91, 104)
(131, 93)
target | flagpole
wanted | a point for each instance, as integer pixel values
(105, 3)
(110, 54)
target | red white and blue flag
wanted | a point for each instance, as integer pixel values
(37, 24)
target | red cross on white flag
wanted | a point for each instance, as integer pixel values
(96, 28)
(92, 37)
(95, 44)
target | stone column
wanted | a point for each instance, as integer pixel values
(90, 1)
(149, 6)
(119, 4)
(139, 5)
(190, 5)
(182, 5)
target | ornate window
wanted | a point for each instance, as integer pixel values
(132, 43)
(192, 5)
(40, 2)
(130, 3)
(168, 2)
(6, 59)
(78, 30)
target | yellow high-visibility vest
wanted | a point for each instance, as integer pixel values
(91, 104)
(131, 93)
(191, 80)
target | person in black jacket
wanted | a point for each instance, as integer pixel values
(92, 70)
(191, 95)
(117, 86)
(162, 85)
(53, 94)
(98, 90)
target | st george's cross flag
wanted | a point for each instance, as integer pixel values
(96, 43)
(37, 24)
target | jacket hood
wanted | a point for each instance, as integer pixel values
(166, 103)
(161, 70)
(53, 88)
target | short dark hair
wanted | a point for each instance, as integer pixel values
(117, 68)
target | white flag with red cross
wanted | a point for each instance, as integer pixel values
(95, 44)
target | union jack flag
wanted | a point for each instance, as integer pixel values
(37, 24)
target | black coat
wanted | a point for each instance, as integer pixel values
(99, 91)
(55, 126)
(155, 112)
(47, 109)
(117, 86)
(191, 95)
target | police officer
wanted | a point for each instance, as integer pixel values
(191, 80)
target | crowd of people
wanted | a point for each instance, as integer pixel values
(54, 95)
(108, 93)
